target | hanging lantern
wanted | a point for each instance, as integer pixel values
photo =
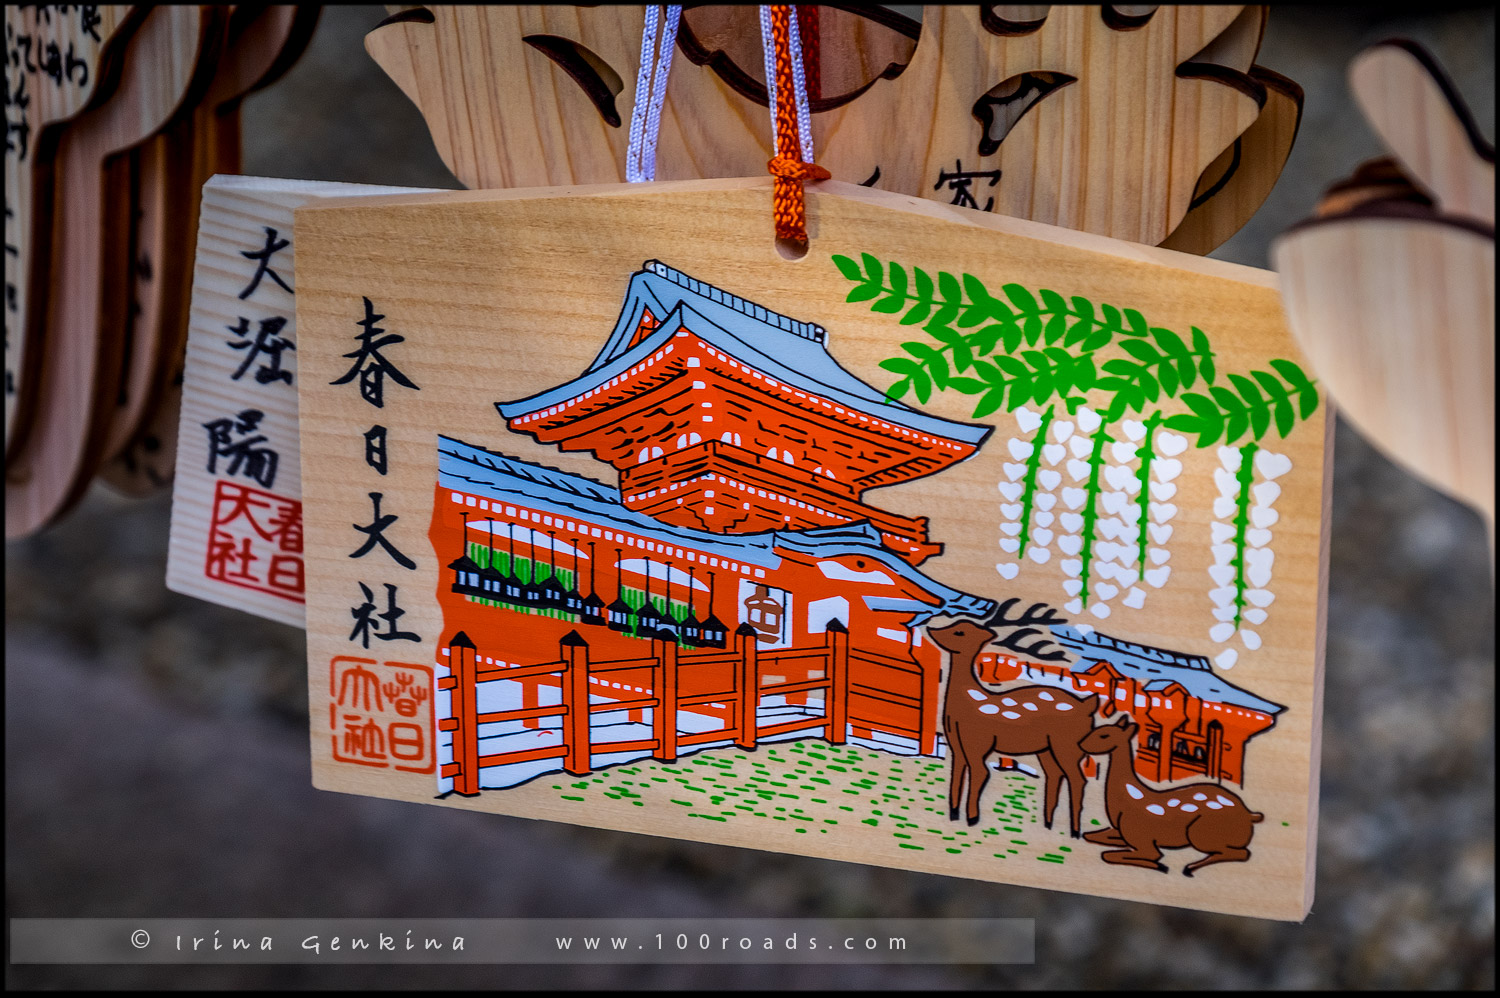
(572, 600)
(649, 621)
(619, 610)
(593, 610)
(714, 633)
(465, 569)
(692, 629)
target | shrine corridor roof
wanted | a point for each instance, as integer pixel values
(785, 349)
(1154, 668)
(468, 468)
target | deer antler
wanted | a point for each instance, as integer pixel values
(1038, 613)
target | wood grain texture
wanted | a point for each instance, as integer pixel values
(1391, 289)
(1397, 314)
(235, 214)
(1236, 47)
(166, 60)
(482, 325)
(1118, 152)
(56, 64)
(260, 44)
(1415, 109)
(1236, 184)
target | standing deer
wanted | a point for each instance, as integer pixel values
(1144, 821)
(1043, 721)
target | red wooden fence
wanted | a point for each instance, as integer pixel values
(680, 679)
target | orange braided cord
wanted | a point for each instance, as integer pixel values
(788, 207)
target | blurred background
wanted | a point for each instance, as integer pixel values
(156, 746)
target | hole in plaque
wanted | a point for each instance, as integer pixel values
(1000, 107)
(597, 78)
(858, 46)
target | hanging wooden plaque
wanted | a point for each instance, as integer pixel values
(57, 63)
(171, 169)
(236, 536)
(1081, 116)
(77, 352)
(963, 544)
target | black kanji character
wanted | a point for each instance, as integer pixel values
(53, 67)
(375, 448)
(264, 254)
(258, 463)
(364, 613)
(88, 20)
(375, 531)
(266, 342)
(369, 364)
(960, 181)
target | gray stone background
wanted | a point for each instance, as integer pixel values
(156, 746)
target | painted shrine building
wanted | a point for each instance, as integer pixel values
(724, 416)
(735, 586)
(1193, 722)
(739, 532)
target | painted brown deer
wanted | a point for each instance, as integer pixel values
(1043, 721)
(1144, 821)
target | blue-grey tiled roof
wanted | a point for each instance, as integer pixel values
(781, 348)
(1154, 668)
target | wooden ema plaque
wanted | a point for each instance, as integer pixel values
(236, 536)
(962, 544)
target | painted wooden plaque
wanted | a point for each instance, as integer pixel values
(963, 544)
(236, 536)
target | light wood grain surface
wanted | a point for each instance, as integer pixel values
(1236, 184)
(44, 94)
(163, 66)
(236, 213)
(483, 324)
(259, 45)
(1394, 299)
(1119, 152)
(1409, 101)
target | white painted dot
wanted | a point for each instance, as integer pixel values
(1008, 702)
(1010, 714)
(1190, 807)
(1044, 695)
(989, 708)
(1213, 806)
(1200, 796)
(1225, 801)
(1173, 802)
(1134, 791)
(976, 695)
(1155, 809)
(1064, 706)
(1029, 706)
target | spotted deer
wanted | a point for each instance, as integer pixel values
(1043, 721)
(1144, 821)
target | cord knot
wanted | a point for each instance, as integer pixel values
(795, 169)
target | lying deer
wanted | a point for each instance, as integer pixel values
(1144, 821)
(1043, 721)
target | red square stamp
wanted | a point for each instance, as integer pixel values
(380, 714)
(255, 541)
